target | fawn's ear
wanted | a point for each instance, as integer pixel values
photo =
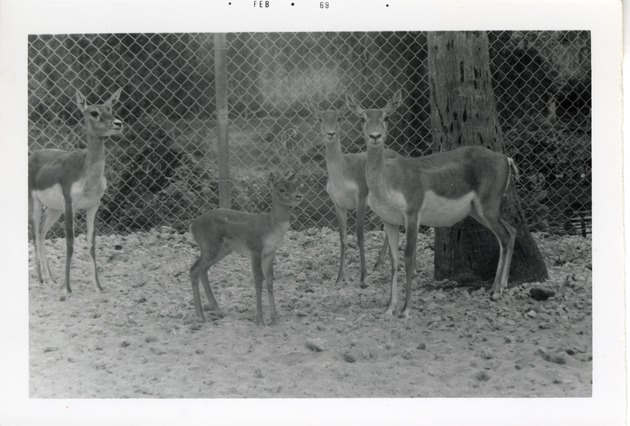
(81, 101)
(290, 175)
(312, 107)
(272, 180)
(114, 98)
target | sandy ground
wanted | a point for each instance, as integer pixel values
(140, 338)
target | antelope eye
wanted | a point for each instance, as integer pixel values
(282, 190)
(94, 114)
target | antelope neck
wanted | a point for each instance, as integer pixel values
(334, 157)
(94, 166)
(279, 213)
(374, 167)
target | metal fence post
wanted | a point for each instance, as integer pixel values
(221, 89)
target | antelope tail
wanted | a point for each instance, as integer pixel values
(511, 169)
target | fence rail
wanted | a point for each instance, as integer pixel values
(192, 143)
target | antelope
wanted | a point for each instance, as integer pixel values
(66, 181)
(222, 231)
(434, 190)
(346, 186)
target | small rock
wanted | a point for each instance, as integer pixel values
(482, 376)
(125, 343)
(487, 354)
(348, 357)
(541, 293)
(556, 359)
(532, 314)
(313, 345)
(422, 346)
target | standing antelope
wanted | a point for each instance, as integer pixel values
(257, 235)
(64, 181)
(435, 190)
(346, 185)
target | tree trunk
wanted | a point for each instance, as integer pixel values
(463, 112)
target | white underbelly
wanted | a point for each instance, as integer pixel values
(391, 210)
(81, 199)
(440, 211)
(346, 195)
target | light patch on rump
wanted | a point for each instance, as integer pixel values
(53, 197)
(346, 195)
(390, 208)
(441, 211)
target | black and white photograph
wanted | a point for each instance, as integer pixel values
(307, 222)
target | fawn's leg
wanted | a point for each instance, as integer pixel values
(360, 225)
(267, 267)
(341, 222)
(199, 270)
(257, 270)
(36, 221)
(69, 219)
(90, 218)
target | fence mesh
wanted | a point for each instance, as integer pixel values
(163, 171)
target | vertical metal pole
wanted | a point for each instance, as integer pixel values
(221, 89)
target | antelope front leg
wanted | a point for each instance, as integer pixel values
(69, 219)
(382, 254)
(360, 225)
(50, 217)
(258, 281)
(342, 217)
(392, 237)
(410, 262)
(267, 265)
(90, 217)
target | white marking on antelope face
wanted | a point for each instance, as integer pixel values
(329, 121)
(374, 123)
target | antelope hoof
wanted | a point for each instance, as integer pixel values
(340, 280)
(363, 284)
(404, 314)
(495, 295)
(389, 311)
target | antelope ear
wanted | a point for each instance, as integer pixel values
(272, 179)
(353, 105)
(290, 175)
(312, 107)
(81, 101)
(114, 98)
(394, 102)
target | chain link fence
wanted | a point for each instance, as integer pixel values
(165, 169)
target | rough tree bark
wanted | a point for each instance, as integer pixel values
(463, 112)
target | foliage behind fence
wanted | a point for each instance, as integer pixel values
(163, 171)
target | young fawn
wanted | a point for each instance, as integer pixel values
(434, 190)
(257, 235)
(346, 185)
(64, 181)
